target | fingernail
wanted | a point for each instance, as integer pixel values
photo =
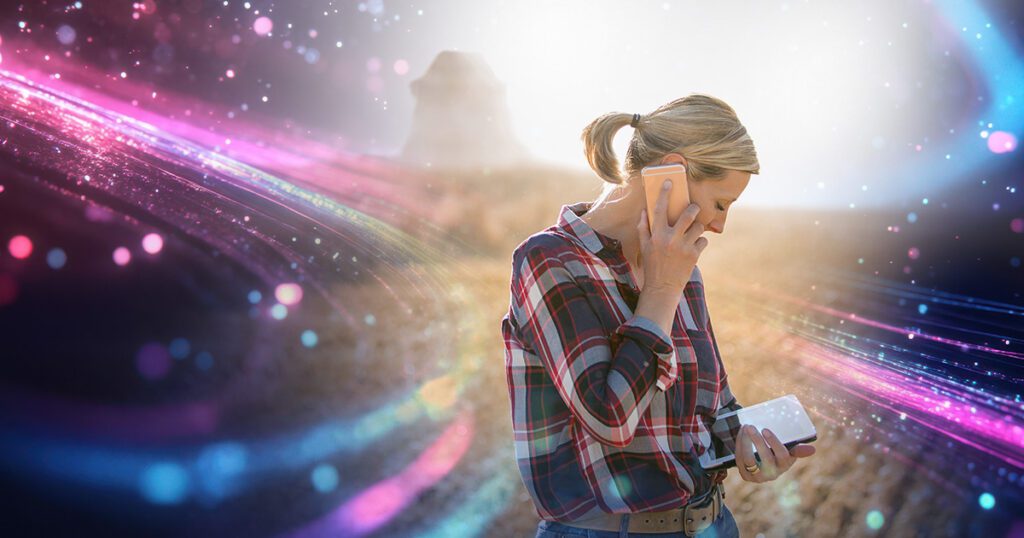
(666, 184)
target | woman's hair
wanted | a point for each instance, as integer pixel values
(701, 128)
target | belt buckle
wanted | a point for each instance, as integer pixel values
(696, 519)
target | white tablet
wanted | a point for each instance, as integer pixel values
(784, 416)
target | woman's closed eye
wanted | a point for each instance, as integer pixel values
(719, 206)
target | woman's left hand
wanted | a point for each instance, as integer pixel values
(775, 457)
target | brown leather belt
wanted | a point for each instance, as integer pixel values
(691, 519)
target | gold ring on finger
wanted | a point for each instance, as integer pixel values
(753, 469)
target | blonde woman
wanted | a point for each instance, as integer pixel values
(612, 365)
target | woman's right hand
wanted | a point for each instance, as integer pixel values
(670, 252)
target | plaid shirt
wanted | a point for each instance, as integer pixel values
(604, 403)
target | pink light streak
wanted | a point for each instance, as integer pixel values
(380, 503)
(977, 421)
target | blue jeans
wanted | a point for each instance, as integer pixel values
(723, 527)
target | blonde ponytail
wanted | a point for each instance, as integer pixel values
(703, 129)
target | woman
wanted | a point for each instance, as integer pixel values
(613, 369)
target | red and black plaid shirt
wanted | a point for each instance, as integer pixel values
(604, 403)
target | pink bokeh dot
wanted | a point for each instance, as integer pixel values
(153, 361)
(20, 247)
(401, 67)
(373, 64)
(288, 293)
(263, 25)
(152, 243)
(1001, 142)
(1017, 225)
(913, 253)
(122, 256)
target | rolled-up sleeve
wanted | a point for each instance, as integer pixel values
(606, 380)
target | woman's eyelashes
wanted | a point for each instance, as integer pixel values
(719, 206)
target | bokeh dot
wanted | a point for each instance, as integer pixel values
(309, 338)
(122, 256)
(875, 520)
(324, 478)
(278, 311)
(152, 243)
(153, 361)
(164, 483)
(1001, 142)
(263, 25)
(56, 258)
(179, 348)
(1017, 225)
(987, 501)
(255, 296)
(204, 360)
(914, 253)
(65, 34)
(922, 308)
(288, 293)
(20, 246)
(911, 217)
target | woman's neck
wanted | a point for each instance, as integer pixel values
(616, 215)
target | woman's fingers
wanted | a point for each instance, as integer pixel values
(783, 458)
(802, 451)
(768, 464)
(661, 206)
(745, 456)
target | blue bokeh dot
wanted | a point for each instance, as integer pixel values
(324, 478)
(56, 258)
(278, 311)
(987, 501)
(179, 348)
(922, 308)
(309, 338)
(204, 361)
(164, 483)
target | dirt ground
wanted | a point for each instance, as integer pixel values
(829, 494)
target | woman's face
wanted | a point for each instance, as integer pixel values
(714, 196)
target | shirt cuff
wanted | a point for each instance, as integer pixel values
(645, 331)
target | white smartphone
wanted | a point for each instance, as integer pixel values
(784, 416)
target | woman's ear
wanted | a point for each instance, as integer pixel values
(670, 158)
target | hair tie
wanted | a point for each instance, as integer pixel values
(636, 119)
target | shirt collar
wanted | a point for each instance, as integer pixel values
(569, 221)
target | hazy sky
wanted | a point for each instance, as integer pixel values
(833, 93)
